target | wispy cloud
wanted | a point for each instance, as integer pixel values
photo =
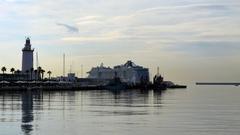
(69, 27)
(187, 6)
(111, 36)
(161, 26)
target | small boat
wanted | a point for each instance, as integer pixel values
(158, 83)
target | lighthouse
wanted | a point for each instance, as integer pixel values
(27, 56)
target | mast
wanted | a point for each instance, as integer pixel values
(37, 64)
(63, 64)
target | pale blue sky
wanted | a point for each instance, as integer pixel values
(189, 40)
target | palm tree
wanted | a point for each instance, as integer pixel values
(42, 73)
(4, 69)
(49, 74)
(12, 70)
(39, 68)
(18, 72)
(31, 72)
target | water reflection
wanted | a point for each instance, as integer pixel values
(174, 112)
(148, 97)
(32, 107)
(27, 112)
(31, 100)
(124, 102)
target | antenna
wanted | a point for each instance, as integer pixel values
(37, 60)
(63, 64)
(70, 68)
(81, 71)
(157, 70)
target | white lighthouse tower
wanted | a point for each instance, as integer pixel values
(27, 56)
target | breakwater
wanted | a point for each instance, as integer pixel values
(211, 83)
(77, 87)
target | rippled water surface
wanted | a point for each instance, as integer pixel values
(198, 110)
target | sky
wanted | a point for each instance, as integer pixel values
(190, 40)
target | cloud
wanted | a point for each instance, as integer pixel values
(16, 1)
(69, 27)
(187, 6)
(87, 39)
(111, 36)
(88, 18)
(218, 49)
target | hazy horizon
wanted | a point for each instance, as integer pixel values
(189, 40)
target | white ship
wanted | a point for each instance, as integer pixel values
(129, 73)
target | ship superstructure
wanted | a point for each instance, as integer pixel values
(129, 73)
(101, 72)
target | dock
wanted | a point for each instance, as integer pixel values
(217, 83)
(77, 87)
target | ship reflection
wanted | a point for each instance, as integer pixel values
(142, 96)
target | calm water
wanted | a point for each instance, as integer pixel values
(198, 110)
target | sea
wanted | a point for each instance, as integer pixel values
(197, 110)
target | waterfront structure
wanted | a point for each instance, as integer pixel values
(27, 56)
(71, 77)
(13, 77)
(129, 73)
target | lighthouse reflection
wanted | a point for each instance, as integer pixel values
(29, 98)
(27, 112)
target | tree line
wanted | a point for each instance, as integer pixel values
(39, 72)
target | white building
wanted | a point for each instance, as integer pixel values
(128, 72)
(27, 56)
(101, 72)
